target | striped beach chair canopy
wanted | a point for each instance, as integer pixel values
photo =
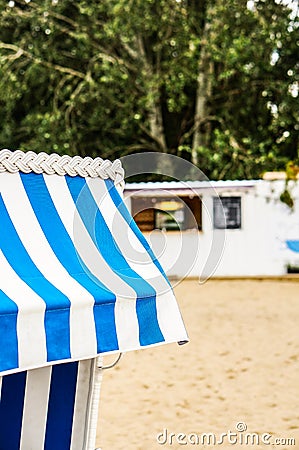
(77, 278)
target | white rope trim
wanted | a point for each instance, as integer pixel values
(19, 161)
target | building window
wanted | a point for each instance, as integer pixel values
(227, 212)
(167, 213)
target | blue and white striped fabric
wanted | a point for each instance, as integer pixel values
(47, 408)
(77, 278)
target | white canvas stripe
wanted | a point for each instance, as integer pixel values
(127, 324)
(35, 408)
(84, 381)
(125, 306)
(82, 327)
(30, 321)
(170, 319)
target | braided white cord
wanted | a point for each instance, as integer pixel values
(62, 165)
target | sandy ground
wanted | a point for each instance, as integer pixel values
(240, 369)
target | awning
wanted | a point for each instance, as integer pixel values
(77, 277)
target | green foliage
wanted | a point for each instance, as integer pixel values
(292, 171)
(113, 77)
(285, 197)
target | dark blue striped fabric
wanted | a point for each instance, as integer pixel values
(61, 406)
(59, 410)
(11, 410)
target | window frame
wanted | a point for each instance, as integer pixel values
(236, 203)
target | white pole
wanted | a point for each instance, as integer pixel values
(92, 420)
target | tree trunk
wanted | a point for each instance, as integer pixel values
(156, 125)
(155, 118)
(202, 127)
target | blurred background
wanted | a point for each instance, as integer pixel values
(212, 81)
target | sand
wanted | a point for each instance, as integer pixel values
(240, 369)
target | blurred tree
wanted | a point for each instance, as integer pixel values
(212, 81)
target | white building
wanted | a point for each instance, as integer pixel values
(222, 228)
